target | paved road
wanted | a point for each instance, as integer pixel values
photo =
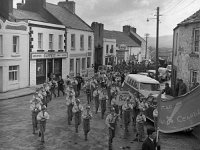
(16, 131)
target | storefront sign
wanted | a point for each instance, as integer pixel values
(48, 55)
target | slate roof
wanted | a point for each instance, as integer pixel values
(192, 19)
(27, 15)
(121, 38)
(67, 18)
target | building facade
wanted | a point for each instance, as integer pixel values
(109, 51)
(14, 55)
(186, 47)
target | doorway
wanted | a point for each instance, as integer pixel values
(49, 67)
(77, 65)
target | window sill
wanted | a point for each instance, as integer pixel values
(60, 50)
(73, 49)
(40, 50)
(15, 55)
(51, 50)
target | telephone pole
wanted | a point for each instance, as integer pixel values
(157, 42)
(146, 35)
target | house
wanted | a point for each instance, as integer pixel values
(186, 47)
(14, 55)
(109, 53)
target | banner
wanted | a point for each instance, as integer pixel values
(179, 113)
(122, 96)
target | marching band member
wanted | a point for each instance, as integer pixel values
(42, 117)
(114, 104)
(140, 119)
(35, 109)
(75, 84)
(126, 107)
(111, 123)
(103, 97)
(96, 98)
(108, 87)
(70, 100)
(88, 91)
(44, 95)
(77, 110)
(53, 87)
(87, 116)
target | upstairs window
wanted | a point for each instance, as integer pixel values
(60, 42)
(107, 48)
(40, 41)
(15, 44)
(196, 40)
(82, 42)
(1, 44)
(89, 42)
(111, 50)
(50, 41)
(73, 41)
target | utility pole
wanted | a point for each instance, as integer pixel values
(157, 43)
(146, 35)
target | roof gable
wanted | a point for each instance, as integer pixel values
(67, 18)
(121, 38)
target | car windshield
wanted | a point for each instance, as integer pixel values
(149, 87)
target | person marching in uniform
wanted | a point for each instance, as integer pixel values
(126, 107)
(53, 87)
(70, 100)
(103, 98)
(87, 116)
(77, 110)
(75, 84)
(111, 123)
(42, 117)
(140, 119)
(35, 109)
(88, 91)
(108, 87)
(60, 86)
(44, 95)
(114, 104)
(93, 84)
(96, 98)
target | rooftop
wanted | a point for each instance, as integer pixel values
(192, 19)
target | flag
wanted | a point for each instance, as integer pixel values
(179, 113)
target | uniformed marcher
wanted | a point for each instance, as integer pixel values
(127, 107)
(114, 104)
(88, 91)
(87, 116)
(42, 117)
(77, 110)
(53, 87)
(35, 109)
(140, 119)
(96, 94)
(111, 123)
(103, 98)
(70, 100)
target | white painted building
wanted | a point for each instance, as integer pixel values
(109, 51)
(14, 55)
(47, 51)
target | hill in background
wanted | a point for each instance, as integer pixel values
(164, 41)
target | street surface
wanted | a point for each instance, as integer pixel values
(16, 131)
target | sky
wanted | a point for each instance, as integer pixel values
(114, 14)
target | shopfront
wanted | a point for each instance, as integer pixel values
(46, 63)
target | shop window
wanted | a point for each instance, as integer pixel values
(72, 41)
(15, 44)
(107, 47)
(89, 42)
(40, 41)
(1, 44)
(40, 68)
(50, 41)
(71, 65)
(82, 42)
(83, 63)
(60, 38)
(196, 40)
(13, 73)
(88, 62)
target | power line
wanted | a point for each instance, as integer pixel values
(178, 4)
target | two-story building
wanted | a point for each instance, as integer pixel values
(186, 47)
(14, 55)
(109, 53)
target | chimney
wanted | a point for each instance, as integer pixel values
(127, 29)
(6, 8)
(70, 5)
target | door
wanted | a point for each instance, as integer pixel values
(49, 67)
(40, 71)
(78, 65)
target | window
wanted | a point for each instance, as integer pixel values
(60, 42)
(82, 42)
(71, 65)
(13, 73)
(51, 41)
(89, 42)
(1, 45)
(15, 44)
(111, 50)
(149, 87)
(88, 62)
(83, 63)
(73, 41)
(196, 40)
(106, 61)
(107, 47)
(193, 76)
(40, 41)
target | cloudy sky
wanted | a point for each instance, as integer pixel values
(116, 13)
